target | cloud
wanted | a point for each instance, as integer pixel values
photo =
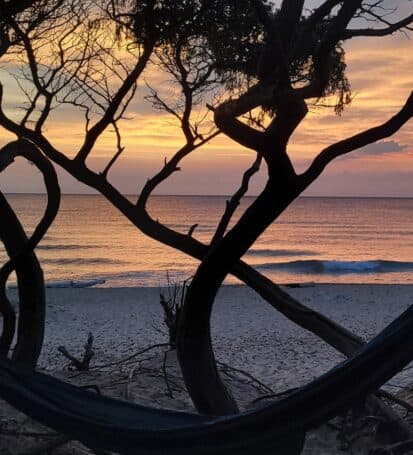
(381, 148)
(377, 149)
(360, 184)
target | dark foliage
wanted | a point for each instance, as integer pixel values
(230, 38)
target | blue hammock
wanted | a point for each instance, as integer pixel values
(278, 428)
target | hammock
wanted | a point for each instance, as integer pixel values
(278, 428)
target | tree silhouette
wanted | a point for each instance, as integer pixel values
(288, 102)
(31, 321)
(267, 65)
(22, 259)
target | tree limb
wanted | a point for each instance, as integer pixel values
(233, 203)
(290, 15)
(392, 28)
(108, 117)
(31, 153)
(359, 140)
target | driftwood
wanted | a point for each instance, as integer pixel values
(84, 363)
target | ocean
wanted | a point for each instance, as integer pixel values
(323, 240)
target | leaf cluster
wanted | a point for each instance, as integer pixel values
(229, 37)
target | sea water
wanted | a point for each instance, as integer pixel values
(334, 240)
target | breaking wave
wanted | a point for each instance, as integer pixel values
(339, 267)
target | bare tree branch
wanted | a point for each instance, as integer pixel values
(233, 203)
(120, 150)
(112, 108)
(357, 141)
(7, 156)
(392, 28)
(169, 168)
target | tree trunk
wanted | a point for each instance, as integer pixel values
(328, 330)
(194, 347)
(24, 261)
(30, 287)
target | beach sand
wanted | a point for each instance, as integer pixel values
(248, 334)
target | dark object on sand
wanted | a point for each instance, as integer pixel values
(105, 423)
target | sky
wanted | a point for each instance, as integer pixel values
(381, 74)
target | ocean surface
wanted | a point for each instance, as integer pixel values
(328, 240)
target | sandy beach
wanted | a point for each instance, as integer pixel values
(248, 334)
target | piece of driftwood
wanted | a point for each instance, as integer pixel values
(84, 363)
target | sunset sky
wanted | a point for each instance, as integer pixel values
(381, 74)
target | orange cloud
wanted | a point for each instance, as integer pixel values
(380, 70)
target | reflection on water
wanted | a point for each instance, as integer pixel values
(316, 239)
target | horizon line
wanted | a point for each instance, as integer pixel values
(221, 195)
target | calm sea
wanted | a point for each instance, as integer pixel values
(336, 240)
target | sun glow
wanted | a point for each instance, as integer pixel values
(381, 80)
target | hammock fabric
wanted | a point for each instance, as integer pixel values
(279, 428)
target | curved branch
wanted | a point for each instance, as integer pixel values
(169, 168)
(322, 11)
(332, 333)
(225, 115)
(234, 202)
(291, 109)
(359, 140)
(108, 117)
(36, 137)
(31, 57)
(332, 36)
(120, 150)
(226, 121)
(31, 292)
(27, 150)
(194, 345)
(392, 28)
(188, 94)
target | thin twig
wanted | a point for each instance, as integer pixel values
(245, 373)
(127, 390)
(84, 364)
(389, 396)
(274, 395)
(118, 362)
(165, 356)
(233, 203)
